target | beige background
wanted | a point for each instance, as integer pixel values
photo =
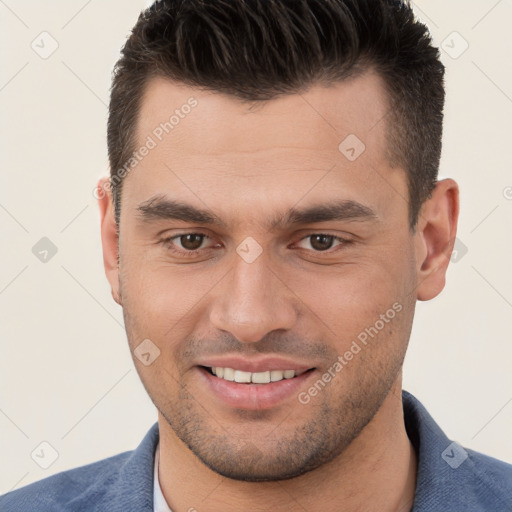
(66, 377)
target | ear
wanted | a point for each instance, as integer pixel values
(434, 238)
(109, 236)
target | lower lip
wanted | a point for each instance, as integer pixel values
(254, 396)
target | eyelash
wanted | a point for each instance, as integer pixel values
(169, 243)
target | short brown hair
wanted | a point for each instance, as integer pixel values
(260, 49)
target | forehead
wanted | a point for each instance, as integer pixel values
(328, 139)
(319, 118)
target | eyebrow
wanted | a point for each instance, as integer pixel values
(342, 210)
(160, 207)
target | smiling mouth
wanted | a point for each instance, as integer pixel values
(242, 377)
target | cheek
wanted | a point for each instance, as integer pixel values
(348, 297)
(164, 301)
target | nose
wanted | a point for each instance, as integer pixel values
(251, 301)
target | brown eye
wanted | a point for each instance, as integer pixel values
(191, 241)
(321, 242)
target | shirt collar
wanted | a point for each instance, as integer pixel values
(159, 503)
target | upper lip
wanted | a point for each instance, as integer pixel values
(262, 364)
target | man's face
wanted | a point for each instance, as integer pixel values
(268, 278)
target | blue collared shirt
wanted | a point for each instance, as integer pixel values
(450, 478)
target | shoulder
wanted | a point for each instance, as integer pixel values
(492, 479)
(480, 484)
(123, 482)
(65, 487)
(452, 478)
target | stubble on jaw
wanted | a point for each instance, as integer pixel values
(280, 453)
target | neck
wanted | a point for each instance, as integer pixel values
(377, 472)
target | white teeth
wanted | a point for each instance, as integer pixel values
(260, 378)
(229, 374)
(248, 377)
(276, 375)
(241, 376)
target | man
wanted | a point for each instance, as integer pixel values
(272, 216)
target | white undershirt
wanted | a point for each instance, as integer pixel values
(159, 503)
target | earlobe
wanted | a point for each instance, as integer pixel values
(435, 237)
(109, 236)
